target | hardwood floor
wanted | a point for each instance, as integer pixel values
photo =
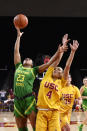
(7, 121)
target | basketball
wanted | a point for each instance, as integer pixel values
(20, 21)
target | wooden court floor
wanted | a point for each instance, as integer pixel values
(7, 121)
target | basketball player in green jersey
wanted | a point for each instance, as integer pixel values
(83, 91)
(24, 102)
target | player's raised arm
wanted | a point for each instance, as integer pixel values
(73, 47)
(17, 57)
(55, 59)
(65, 41)
(62, 49)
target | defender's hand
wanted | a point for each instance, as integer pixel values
(74, 46)
(65, 39)
(62, 48)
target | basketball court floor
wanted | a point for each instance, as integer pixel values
(7, 121)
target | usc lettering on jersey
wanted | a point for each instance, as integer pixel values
(68, 95)
(49, 92)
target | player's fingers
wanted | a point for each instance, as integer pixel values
(65, 48)
(66, 35)
(22, 33)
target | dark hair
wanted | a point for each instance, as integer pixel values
(85, 77)
(30, 59)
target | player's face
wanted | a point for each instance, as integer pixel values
(28, 62)
(58, 72)
(69, 79)
(85, 81)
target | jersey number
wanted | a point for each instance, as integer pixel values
(49, 94)
(68, 101)
(20, 78)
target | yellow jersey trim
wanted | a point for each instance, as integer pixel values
(18, 112)
(32, 73)
(30, 106)
(30, 70)
(26, 67)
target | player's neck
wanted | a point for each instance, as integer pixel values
(27, 66)
(54, 79)
(68, 84)
(85, 86)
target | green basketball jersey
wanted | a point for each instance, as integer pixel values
(84, 102)
(85, 91)
(23, 80)
(84, 94)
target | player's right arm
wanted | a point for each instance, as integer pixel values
(17, 57)
(78, 98)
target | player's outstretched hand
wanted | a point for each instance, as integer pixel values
(65, 39)
(74, 46)
(62, 48)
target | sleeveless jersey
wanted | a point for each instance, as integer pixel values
(85, 91)
(68, 95)
(84, 101)
(23, 80)
(49, 92)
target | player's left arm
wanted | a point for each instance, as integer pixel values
(17, 57)
(63, 48)
(78, 97)
(73, 47)
(79, 101)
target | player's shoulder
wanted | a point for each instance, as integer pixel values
(75, 87)
(49, 70)
(82, 87)
(35, 68)
(18, 65)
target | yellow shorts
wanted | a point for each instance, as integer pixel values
(48, 120)
(65, 118)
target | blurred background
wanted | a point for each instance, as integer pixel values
(42, 37)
